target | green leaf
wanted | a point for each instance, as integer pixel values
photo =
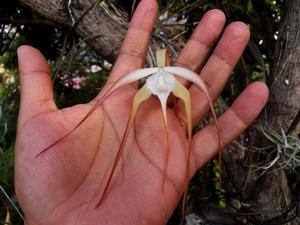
(250, 6)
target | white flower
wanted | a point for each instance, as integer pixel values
(161, 82)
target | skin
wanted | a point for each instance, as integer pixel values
(63, 185)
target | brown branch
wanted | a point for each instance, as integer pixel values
(294, 123)
(282, 112)
(97, 21)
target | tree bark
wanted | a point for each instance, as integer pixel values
(270, 192)
(103, 30)
(284, 105)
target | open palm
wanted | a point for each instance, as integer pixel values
(64, 184)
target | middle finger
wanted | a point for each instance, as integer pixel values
(199, 45)
(218, 68)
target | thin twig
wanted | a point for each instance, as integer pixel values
(294, 123)
(11, 202)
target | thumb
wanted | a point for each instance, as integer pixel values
(35, 84)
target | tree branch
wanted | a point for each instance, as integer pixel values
(270, 191)
(97, 22)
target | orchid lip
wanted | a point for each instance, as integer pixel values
(161, 82)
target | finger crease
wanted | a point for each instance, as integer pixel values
(133, 53)
(182, 64)
(139, 29)
(200, 43)
(34, 117)
(43, 100)
(223, 60)
(36, 72)
(239, 118)
(209, 87)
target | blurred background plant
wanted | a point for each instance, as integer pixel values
(79, 72)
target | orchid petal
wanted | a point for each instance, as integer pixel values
(193, 77)
(142, 95)
(182, 92)
(128, 78)
(161, 83)
(189, 75)
(133, 76)
(163, 102)
(162, 57)
(163, 97)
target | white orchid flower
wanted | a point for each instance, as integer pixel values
(161, 82)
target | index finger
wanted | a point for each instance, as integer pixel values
(135, 45)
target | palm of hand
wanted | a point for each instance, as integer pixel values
(67, 180)
(64, 184)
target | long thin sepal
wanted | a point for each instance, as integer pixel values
(162, 57)
(129, 78)
(182, 93)
(193, 77)
(163, 102)
(134, 76)
(142, 95)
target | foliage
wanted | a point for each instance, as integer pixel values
(9, 102)
(79, 72)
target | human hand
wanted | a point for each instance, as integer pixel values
(63, 185)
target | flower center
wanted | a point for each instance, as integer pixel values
(161, 82)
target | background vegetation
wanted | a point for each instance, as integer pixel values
(79, 71)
